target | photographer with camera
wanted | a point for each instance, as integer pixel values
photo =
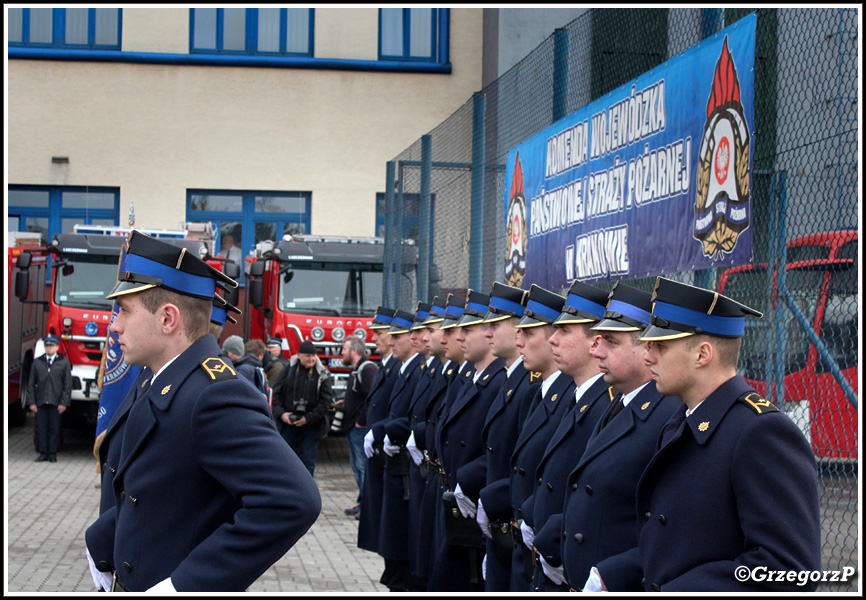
(305, 397)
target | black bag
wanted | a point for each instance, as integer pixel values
(460, 531)
(377, 461)
(398, 464)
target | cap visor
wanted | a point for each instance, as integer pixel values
(433, 319)
(128, 287)
(469, 320)
(379, 326)
(448, 323)
(525, 322)
(611, 325)
(493, 317)
(653, 333)
(397, 330)
(566, 318)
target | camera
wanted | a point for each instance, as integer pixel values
(295, 417)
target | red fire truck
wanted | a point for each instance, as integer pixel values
(321, 289)
(803, 354)
(84, 269)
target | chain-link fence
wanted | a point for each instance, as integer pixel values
(446, 193)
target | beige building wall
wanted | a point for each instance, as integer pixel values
(155, 131)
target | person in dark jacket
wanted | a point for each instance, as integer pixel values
(50, 389)
(245, 364)
(354, 404)
(306, 395)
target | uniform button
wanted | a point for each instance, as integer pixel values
(550, 487)
(103, 566)
(489, 449)
(563, 535)
(656, 587)
(127, 567)
(588, 491)
(113, 470)
(646, 516)
(539, 481)
(462, 444)
(662, 519)
(521, 471)
(573, 487)
(578, 537)
(446, 443)
(133, 500)
(122, 494)
(514, 469)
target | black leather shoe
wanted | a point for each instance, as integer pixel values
(52, 460)
(41, 459)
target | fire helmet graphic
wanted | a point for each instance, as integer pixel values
(722, 199)
(515, 250)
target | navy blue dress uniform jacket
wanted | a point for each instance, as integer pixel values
(543, 510)
(371, 495)
(394, 514)
(109, 454)
(459, 445)
(425, 431)
(733, 484)
(209, 494)
(599, 508)
(537, 430)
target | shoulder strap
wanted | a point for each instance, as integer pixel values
(757, 403)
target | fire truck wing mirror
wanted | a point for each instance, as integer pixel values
(232, 296)
(23, 261)
(256, 291)
(22, 284)
(232, 269)
(289, 275)
(68, 269)
(257, 269)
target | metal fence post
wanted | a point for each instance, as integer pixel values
(390, 238)
(424, 241)
(560, 73)
(476, 212)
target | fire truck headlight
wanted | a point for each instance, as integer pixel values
(318, 334)
(67, 322)
(361, 333)
(91, 328)
(338, 334)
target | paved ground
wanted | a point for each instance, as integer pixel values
(49, 506)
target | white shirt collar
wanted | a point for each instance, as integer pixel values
(514, 366)
(405, 364)
(626, 398)
(545, 385)
(580, 391)
(689, 411)
(445, 365)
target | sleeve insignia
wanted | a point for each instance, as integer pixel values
(217, 369)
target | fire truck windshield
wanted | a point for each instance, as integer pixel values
(91, 279)
(332, 288)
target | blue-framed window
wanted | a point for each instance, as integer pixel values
(75, 28)
(242, 219)
(411, 216)
(408, 33)
(257, 31)
(55, 209)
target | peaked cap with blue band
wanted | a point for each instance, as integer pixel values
(505, 302)
(680, 310)
(383, 318)
(51, 339)
(628, 309)
(453, 311)
(402, 322)
(584, 304)
(475, 310)
(542, 308)
(437, 311)
(221, 309)
(422, 313)
(153, 263)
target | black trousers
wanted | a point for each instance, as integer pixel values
(48, 426)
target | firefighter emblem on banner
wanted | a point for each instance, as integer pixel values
(515, 244)
(722, 209)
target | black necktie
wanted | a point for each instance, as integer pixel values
(612, 411)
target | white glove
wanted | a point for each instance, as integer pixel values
(466, 506)
(528, 534)
(368, 444)
(556, 574)
(483, 521)
(163, 586)
(484, 568)
(417, 456)
(390, 449)
(101, 580)
(594, 582)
